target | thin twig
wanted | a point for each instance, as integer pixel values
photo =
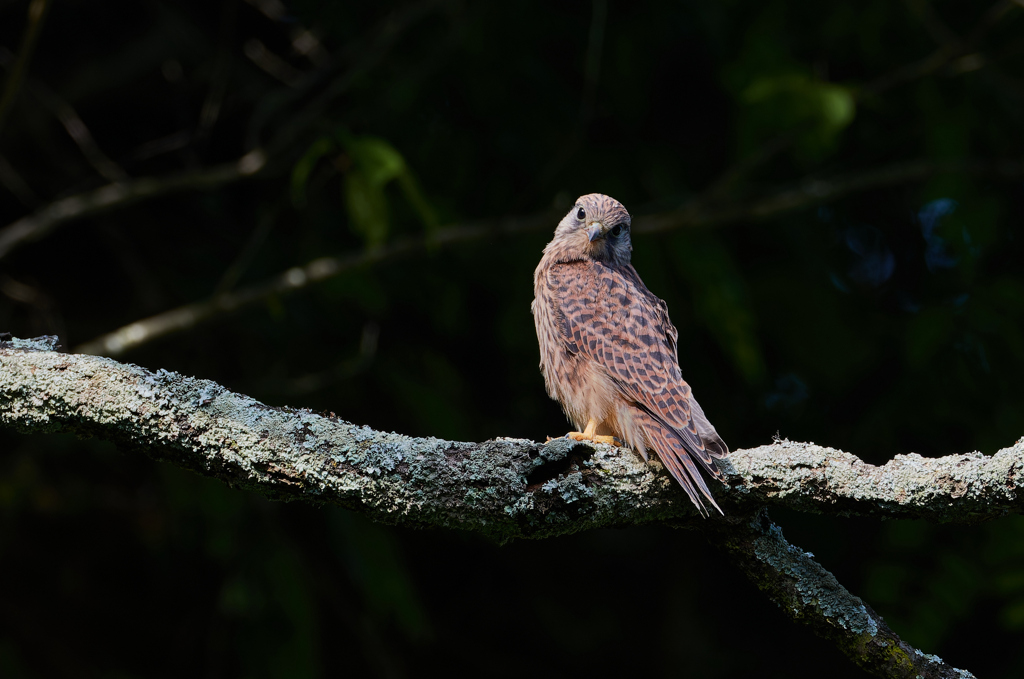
(365, 59)
(63, 210)
(810, 192)
(41, 305)
(79, 132)
(990, 18)
(951, 48)
(270, 63)
(353, 365)
(723, 186)
(166, 144)
(814, 191)
(14, 183)
(269, 217)
(304, 41)
(146, 330)
(264, 225)
(42, 221)
(124, 193)
(210, 111)
(940, 33)
(36, 13)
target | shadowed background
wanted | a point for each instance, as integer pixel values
(877, 308)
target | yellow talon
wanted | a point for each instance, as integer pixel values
(589, 434)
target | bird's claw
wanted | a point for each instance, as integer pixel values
(595, 438)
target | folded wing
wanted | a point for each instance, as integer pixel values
(608, 315)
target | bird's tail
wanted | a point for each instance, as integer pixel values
(713, 443)
(678, 451)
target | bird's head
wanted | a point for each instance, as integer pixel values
(597, 227)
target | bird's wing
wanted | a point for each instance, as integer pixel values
(607, 314)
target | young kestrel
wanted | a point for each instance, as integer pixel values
(608, 349)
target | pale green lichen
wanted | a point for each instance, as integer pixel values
(505, 488)
(815, 587)
(241, 437)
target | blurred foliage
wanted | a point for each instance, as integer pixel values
(371, 164)
(778, 95)
(888, 320)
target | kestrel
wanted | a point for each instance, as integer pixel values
(608, 349)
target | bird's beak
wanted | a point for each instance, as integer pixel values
(595, 230)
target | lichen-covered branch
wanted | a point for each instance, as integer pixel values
(506, 488)
(810, 595)
(509, 488)
(965, 488)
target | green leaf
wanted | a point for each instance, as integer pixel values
(367, 208)
(377, 160)
(778, 94)
(815, 110)
(300, 173)
(375, 164)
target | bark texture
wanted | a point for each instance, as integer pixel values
(515, 488)
(809, 594)
(506, 488)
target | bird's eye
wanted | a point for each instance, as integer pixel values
(581, 214)
(616, 231)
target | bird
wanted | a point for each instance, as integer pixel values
(609, 353)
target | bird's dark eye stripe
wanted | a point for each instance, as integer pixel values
(581, 214)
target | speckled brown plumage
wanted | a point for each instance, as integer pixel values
(608, 349)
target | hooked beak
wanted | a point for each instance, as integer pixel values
(595, 230)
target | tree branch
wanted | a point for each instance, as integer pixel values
(188, 316)
(810, 595)
(811, 191)
(121, 194)
(816, 190)
(363, 57)
(36, 13)
(964, 488)
(951, 48)
(514, 488)
(124, 193)
(79, 133)
(506, 488)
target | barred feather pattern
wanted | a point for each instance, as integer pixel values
(609, 350)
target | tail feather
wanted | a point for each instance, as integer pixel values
(697, 441)
(712, 441)
(678, 457)
(672, 463)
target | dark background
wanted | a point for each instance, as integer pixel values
(882, 321)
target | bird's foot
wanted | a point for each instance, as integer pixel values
(590, 434)
(596, 438)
